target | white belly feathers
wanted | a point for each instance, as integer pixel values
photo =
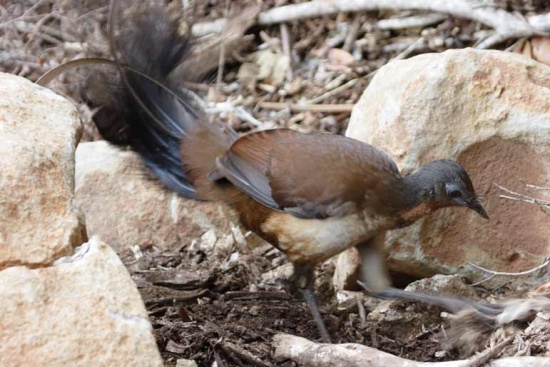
(319, 239)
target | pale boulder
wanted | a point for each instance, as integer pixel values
(38, 133)
(83, 311)
(490, 110)
(346, 269)
(125, 206)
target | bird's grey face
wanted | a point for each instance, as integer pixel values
(462, 194)
(445, 183)
(452, 186)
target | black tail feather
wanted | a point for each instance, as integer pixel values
(135, 111)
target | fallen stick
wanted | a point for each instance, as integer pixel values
(296, 107)
(494, 273)
(521, 362)
(243, 354)
(414, 21)
(506, 25)
(482, 359)
(310, 354)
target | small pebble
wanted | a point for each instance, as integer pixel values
(254, 310)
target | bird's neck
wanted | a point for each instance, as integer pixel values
(419, 199)
(418, 188)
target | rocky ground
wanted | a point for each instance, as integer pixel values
(216, 294)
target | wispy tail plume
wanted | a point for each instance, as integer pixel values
(144, 107)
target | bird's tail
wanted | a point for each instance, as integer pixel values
(147, 109)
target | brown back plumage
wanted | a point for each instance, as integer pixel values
(199, 149)
(312, 175)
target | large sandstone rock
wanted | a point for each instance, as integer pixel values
(126, 206)
(83, 311)
(38, 134)
(489, 110)
(79, 311)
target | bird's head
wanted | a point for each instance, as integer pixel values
(446, 183)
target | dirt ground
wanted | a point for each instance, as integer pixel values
(215, 309)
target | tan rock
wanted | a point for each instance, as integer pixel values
(490, 110)
(38, 133)
(442, 284)
(395, 319)
(186, 363)
(350, 300)
(83, 311)
(125, 206)
(338, 56)
(347, 269)
(278, 274)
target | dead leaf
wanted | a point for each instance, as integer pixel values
(206, 57)
(541, 49)
(248, 74)
(524, 47)
(537, 48)
(338, 56)
(542, 290)
(240, 23)
(294, 86)
(272, 66)
(174, 347)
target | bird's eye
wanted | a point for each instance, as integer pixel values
(454, 194)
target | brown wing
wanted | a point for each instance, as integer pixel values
(312, 175)
(247, 162)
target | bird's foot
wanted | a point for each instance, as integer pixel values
(303, 280)
(311, 301)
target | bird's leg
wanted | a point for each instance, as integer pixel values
(373, 272)
(304, 280)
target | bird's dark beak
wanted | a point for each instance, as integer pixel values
(477, 207)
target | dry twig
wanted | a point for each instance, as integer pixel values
(221, 58)
(493, 273)
(333, 92)
(243, 354)
(506, 25)
(353, 31)
(415, 21)
(484, 357)
(296, 107)
(285, 41)
(524, 198)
